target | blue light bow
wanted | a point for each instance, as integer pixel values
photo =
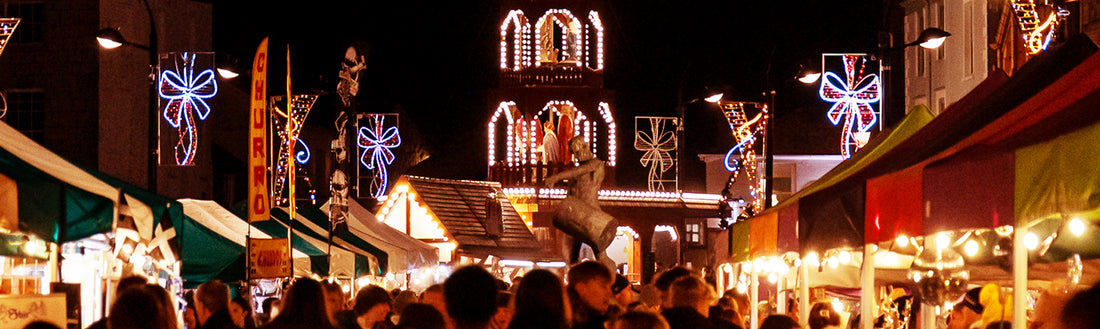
(376, 142)
(186, 97)
(852, 100)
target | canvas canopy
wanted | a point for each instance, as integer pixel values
(403, 251)
(53, 199)
(351, 256)
(223, 255)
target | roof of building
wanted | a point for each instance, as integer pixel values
(461, 206)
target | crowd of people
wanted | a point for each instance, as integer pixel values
(589, 296)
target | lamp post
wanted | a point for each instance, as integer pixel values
(930, 39)
(680, 109)
(111, 38)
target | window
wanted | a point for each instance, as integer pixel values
(940, 24)
(26, 113)
(32, 20)
(694, 234)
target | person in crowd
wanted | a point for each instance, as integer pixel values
(779, 321)
(967, 311)
(623, 291)
(690, 299)
(1048, 308)
(663, 281)
(190, 317)
(723, 314)
(270, 307)
(123, 284)
(420, 316)
(303, 307)
(640, 320)
(540, 302)
(433, 295)
(370, 311)
(240, 311)
(403, 299)
(1080, 310)
(335, 300)
(590, 295)
(39, 324)
(649, 299)
(823, 316)
(212, 306)
(505, 310)
(740, 305)
(141, 307)
(470, 294)
(164, 303)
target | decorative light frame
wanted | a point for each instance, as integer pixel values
(852, 98)
(186, 93)
(521, 40)
(552, 13)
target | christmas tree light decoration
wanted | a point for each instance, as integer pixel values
(852, 98)
(186, 95)
(7, 28)
(300, 108)
(520, 43)
(376, 140)
(656, 137)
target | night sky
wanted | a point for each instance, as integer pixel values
(435, 62)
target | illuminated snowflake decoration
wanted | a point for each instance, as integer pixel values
(186, 93)
(657, 143)
(852, 100)
(377, 141)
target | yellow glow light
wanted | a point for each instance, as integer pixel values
(1076, 226)
(902, 241)
(1031, 241)
(971, 248)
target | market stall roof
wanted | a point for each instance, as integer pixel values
(461, 206)
(223, 259)
(314, 223)
(55, 200)
(404, 252)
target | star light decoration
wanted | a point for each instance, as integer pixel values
(376, 140)
(299, 110)
(657, 142)
(852, 100)
(186, 93)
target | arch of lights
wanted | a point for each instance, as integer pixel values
(521, 43)
(596, 24)
(520, 138)
(556, 16)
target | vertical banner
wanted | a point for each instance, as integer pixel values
(185, 83)
(291, 140)
(258, 207)
(268, 258)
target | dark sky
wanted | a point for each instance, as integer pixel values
(437, 60)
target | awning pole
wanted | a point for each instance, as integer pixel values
(867, 289)
(804, 293)
(754, 298)
(1019, 277)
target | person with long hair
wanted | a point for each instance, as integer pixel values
(304, 307)
(141, 307)
(541, 303)
(241, 312)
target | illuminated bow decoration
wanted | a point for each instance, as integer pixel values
(656, 145)
(186, 97)
(852, 100)
(376, 143)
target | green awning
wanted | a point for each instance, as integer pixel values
(317, 226)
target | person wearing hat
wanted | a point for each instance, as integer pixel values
(967, 311)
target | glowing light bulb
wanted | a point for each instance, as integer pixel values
(902, 241)
(837, 305)
(1076, 226)
(833, 262)
(811, 259)
(971, 248)
(942, 240)
(1031, 241)
(773, 278)
(845, 257)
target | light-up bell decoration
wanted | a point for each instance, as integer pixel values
(186, 93)
(852, 100)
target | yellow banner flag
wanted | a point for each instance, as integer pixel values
(258, 202)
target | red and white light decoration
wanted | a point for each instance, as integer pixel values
(853, 98)
(186, 93)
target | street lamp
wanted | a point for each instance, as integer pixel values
(930, 39)
(680, 109)
(110, 38)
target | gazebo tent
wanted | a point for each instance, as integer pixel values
(365, 259)
(53, 199)
(223, 258)
(403, 251)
